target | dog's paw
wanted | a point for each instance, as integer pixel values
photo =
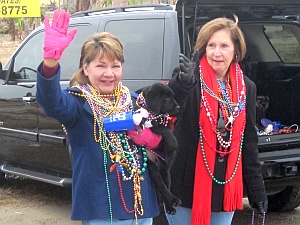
(170, 205)
(171, 210)
(176, 201)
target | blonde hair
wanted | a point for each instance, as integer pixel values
(217, 24)
(97, 45)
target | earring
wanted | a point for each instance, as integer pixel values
(235, 57)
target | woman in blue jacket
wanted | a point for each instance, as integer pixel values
(111, 184)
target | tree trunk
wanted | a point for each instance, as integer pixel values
(82, 5)
(26, 27)
(116, 3)
(11, 29)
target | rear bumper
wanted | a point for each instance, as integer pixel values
(280, 169)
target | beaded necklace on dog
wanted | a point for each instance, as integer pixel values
(162, 119)
(124, 156)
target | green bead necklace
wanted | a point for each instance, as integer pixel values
(107, 186)
(207, 166)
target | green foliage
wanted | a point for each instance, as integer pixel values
(133, 2)
(43, 12)
(106, 3)
(19, 23)
(4, 29)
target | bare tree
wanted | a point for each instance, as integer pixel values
(119, 3)
(82, 5)
(12, 30)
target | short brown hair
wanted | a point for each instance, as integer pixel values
(217, 24)
(97, 45)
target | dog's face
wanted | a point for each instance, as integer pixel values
(160, 99)
(262, 102)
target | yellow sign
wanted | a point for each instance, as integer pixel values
(19, 8)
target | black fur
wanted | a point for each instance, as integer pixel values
(159, 99)
(262, 105)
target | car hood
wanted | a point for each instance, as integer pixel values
(244, 9)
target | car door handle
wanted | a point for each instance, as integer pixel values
(29, 99)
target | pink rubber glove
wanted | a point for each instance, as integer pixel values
(56, 39)
(144, 137)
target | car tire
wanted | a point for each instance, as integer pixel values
(2, 176)
(286, 200)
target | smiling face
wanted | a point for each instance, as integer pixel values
(220, 52)
(103, 74)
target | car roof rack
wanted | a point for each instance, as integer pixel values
(131, 8)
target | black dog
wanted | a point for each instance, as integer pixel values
(158, 100)
(262, 105)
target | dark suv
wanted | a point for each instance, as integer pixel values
(36, 147)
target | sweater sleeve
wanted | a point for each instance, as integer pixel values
(49, 72)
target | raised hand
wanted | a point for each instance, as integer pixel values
(187, 67)
(56, 38)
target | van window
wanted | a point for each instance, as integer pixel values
(30, 55)
(71, 56)
(143, 47)
(284, 42)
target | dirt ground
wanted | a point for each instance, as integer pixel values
(7, 47)
(25, 202)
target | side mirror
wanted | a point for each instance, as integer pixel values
(9, 71)
(5, 74)
(2, 73)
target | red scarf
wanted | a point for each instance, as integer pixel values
(233, 189)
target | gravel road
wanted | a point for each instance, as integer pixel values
(25, 202)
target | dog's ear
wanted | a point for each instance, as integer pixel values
(152, 98)
(145, 90)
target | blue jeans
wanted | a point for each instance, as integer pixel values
(147, 221)
(183, 217)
